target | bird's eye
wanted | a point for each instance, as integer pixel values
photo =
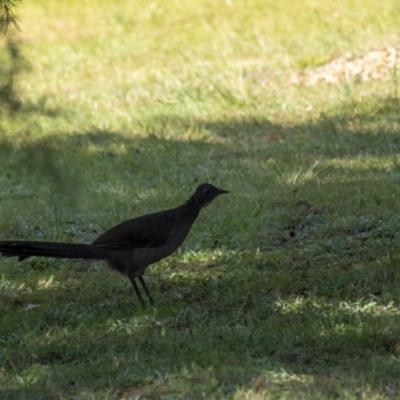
(207, 191)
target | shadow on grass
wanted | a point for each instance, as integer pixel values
(314, 237)
(227, 340)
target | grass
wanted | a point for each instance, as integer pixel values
(287, 288)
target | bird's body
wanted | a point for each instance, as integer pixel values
(146, 244)
(131, 246)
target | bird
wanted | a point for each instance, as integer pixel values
(131, 246)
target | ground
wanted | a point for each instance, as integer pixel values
(288, 287)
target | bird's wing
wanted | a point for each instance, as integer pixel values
(150, 230)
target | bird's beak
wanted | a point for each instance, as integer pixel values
(222, 191)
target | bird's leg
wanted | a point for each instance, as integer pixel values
(137, 291)
(151, 300)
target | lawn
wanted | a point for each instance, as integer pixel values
(288, 287)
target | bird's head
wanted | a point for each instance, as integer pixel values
(206, 193)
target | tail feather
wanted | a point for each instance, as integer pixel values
(25, 249)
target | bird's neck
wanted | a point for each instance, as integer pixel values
(191, 207)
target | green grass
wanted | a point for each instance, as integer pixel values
(289, 287)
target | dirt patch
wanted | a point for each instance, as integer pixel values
(377, 64)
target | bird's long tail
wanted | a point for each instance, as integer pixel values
(25, 249)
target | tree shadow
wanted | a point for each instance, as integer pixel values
(277, 340)
(294, 240)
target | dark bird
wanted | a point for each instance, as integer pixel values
(131, 246)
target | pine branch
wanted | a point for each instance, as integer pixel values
(8, 19)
